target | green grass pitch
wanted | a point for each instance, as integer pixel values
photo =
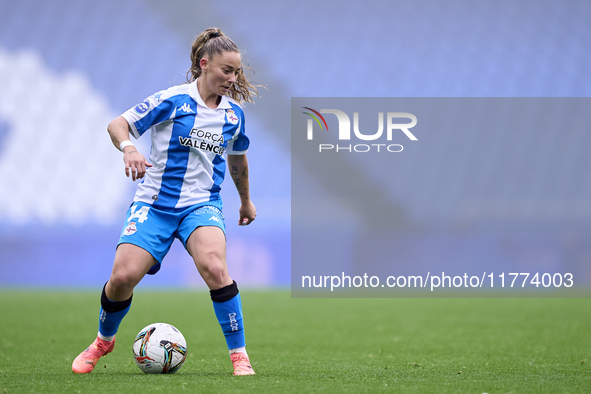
(307, 345)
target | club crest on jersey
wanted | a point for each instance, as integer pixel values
(231, 116)
(142, 108)
(130, 229)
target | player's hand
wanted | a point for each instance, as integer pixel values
(135, 163)
(247, 213)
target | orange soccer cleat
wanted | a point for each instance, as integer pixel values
(241, 364)
(86, 361)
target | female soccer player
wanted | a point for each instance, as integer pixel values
(191, 127)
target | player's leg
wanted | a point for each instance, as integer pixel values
(207, 246)
(130, 266)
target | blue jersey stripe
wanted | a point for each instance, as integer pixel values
(219, 170)
(156, 115)
(242, 142)
(219, 164)
(176, 164)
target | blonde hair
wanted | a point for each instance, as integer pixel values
(213, 42)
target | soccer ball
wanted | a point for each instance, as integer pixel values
(159, 348)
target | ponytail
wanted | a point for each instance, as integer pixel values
(213, 42)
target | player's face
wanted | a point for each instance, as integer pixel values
(222, 71)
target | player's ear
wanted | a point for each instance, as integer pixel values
(203, 64)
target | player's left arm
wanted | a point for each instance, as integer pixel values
(238, 165)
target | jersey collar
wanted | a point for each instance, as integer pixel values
(194, 93)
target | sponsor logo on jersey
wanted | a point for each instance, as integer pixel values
(185, 108)
(202, 145)
(142, 108)
(130, 229)
(205, 141)
(206, 135)
(231, 116)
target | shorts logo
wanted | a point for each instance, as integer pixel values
(232, 118)
(143, 107)
(214, 218)
(210, 210)
(130, 229)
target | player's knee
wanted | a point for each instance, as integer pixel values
(214, 271)
(122, 281)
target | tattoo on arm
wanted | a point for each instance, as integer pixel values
(235, 176)
(115, 141)
(239, 175)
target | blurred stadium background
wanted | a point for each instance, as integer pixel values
(68, 67)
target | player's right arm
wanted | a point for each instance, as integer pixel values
(135, 162)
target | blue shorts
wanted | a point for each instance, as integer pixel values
(154, 230)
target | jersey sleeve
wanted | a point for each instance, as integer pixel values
(150, 112)
(240, 143)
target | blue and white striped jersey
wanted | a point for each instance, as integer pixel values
(188, 143)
